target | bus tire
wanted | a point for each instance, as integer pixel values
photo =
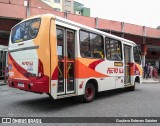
(89, 93)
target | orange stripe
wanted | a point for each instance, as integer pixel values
(83, 71)
(86, 61)
(139, 68)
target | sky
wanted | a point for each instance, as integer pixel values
(139, 12)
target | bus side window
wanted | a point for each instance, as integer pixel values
(91, 45)
(113, 49)
(98, 54)
(59, 48)
(70, 44)
(96, 45)
(59, 43)
(84, 44)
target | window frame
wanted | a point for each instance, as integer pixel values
(68, 3)
(57, 1)
(119, 44)
(63, 36)
(89, 43)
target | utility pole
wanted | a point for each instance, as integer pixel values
(144, 47)
(28, 8)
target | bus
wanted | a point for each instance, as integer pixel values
(52, 55)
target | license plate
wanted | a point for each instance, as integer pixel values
(20, 84)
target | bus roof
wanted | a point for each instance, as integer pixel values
(91, 29)
(81, 26)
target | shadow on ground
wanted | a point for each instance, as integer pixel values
(112, 93)
(47, 104)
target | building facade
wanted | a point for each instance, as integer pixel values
(61, 5)
(55, 4)
(86, 11)
(69, 6)
(79, 9)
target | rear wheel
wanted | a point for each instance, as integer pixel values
(89, 93)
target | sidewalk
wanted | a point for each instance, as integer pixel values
(151, 80)
(2, 83)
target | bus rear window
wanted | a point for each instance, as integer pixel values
(25, 30)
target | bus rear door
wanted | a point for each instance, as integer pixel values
(66, 61)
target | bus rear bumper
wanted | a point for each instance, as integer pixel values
(38, 86)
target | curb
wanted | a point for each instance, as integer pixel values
(3, 84)
(150, 82)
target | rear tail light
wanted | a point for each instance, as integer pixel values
(40, 69)
(136, 70)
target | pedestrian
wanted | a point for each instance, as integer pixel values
(146, 71)
(150, 70)
(155, 73)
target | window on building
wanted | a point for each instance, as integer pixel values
(57, 9)
(91, 45)
(67, 3)
(78, 12)
(113, 49)
(80, 7)
(57, 1)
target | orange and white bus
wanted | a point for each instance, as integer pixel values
(49, 54)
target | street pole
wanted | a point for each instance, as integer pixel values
(28, 8)
(144, 46)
